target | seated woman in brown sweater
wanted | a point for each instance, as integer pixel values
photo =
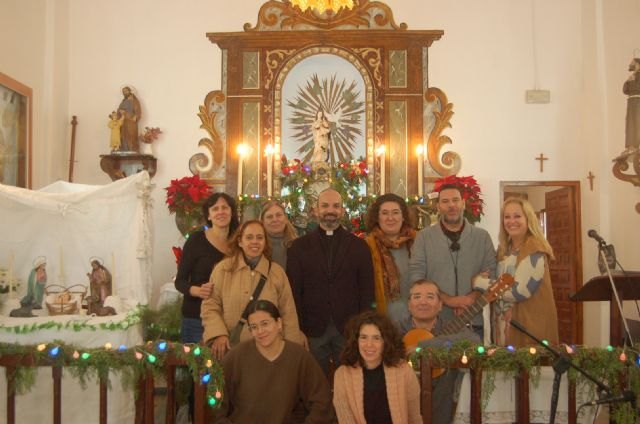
(272, 380)
(375, 384)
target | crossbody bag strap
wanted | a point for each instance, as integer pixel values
(254, 296)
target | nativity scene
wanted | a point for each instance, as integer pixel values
(352, 217)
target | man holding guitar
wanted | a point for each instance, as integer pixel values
(452, 252)
(425, 304)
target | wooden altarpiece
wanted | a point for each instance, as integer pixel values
(399, 109)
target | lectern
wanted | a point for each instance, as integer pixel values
(599, 289)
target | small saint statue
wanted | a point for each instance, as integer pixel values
(115, 123)
(99, 282)
(631, 88)
(131, 112)
(37, 281)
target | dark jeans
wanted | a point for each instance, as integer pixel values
(191, 330)
(328, 346)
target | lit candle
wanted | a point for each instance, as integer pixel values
(242, 150)
(419, 151)
(268, 151)
(380, 151)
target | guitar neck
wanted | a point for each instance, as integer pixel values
(467, 316)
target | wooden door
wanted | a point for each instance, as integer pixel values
(562, 234)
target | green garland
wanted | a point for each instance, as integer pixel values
(298, 194)
(132, 318)
(606, 365)
(131, 363)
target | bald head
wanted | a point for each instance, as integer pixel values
(329, 209)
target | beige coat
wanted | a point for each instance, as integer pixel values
(234, 283)
(403, 394)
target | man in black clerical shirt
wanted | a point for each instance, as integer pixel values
(331, 276)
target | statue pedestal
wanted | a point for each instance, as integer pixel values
(121, 165)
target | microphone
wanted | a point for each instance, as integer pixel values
(627, 396)
(594, 235)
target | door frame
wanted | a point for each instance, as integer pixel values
(575, 189)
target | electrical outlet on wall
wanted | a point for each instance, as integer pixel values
(538, 96)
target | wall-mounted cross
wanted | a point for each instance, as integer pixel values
(590, 177)
(541, 158)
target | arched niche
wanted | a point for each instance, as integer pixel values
(401, 111)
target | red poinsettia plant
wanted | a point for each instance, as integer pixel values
(470, 194)
(186, 195)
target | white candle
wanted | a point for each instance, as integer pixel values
(10, 276)
(268, 151)
(419, 151)
(113, 274)
(381, 154)
(61, 271)
(242, 149)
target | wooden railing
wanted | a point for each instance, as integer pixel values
(475, 407)
(145, 402)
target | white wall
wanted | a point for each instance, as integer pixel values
(77, 54)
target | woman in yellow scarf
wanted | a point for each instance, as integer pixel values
(390, 238)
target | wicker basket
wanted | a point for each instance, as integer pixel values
(62, 300)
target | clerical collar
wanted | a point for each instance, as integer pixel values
(329, 233)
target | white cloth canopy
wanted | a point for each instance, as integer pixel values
(70, 224)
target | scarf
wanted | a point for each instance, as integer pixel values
(391, 278)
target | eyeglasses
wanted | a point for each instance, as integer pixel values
(262, 325)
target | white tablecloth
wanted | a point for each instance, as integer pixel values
(78, 405)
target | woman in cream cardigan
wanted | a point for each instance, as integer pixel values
(234, 280)
(524, 253)
(375, 382)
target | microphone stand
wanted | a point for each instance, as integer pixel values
(560, 365)
(601, 247)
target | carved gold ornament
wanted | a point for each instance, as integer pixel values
(323, 5)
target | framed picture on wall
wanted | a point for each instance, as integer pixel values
(15, 132)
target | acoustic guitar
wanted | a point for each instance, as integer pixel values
(495, 291)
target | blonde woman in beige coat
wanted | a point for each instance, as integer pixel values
(235, 279)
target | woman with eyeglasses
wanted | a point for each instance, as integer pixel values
(280, 231)
(235, 281)
(390, 238)
(271, 380)
(375, 384)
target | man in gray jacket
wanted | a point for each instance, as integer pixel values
(452, 252)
